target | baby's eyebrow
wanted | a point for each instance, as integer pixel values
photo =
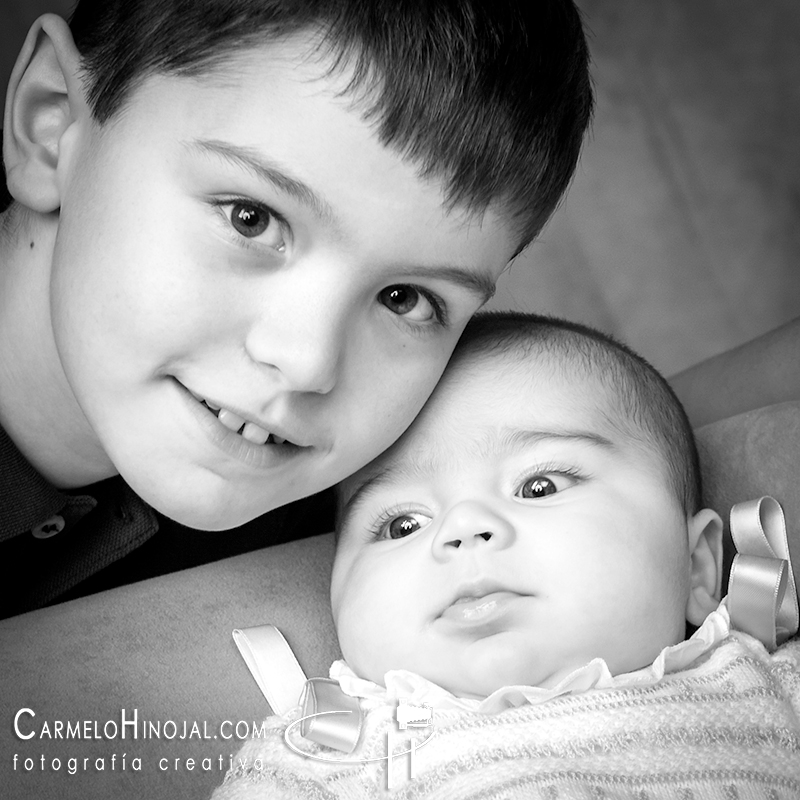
(269, 171)
(361, 494)
(516, 437)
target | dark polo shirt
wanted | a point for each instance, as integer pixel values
(50, 540)
(57, 545)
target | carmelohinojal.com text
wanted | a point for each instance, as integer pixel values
(128, 728)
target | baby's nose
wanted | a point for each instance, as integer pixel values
(469, 525)
(469, 539)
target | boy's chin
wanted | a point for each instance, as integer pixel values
(204, 510)
(206, 520)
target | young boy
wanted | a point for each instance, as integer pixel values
(244, 241)
(538, 533)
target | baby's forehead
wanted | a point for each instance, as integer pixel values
(491, 402)
(487, 406)
(525, 380)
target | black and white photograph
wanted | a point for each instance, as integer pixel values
(400, 399)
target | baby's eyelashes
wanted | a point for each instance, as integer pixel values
(544, 484)
(538, 486)
(398, 526)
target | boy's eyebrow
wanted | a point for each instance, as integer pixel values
(479, 283)
(508, 437)
(269, 171)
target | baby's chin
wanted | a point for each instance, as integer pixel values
(474, 686)
(488, 670)
(479, 688)
(495, 668)
(477, 685)
(478, 681)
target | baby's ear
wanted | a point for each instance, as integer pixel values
(44, 99)
(705, 548)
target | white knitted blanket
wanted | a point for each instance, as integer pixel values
(727, 727)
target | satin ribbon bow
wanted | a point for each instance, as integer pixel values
(762, 593)
(329, 716)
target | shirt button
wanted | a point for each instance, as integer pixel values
(50, 527)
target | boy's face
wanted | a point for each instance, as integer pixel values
(243, 241)
(509, 538)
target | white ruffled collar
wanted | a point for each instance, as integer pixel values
(594, 675)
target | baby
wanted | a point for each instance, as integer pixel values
(538, 532)
(542, 512)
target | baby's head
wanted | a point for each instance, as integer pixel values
(542, 511)
(259, 228)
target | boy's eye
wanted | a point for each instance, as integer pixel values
(404, 525)
(537, 486)
(252, 221)
(406, 301)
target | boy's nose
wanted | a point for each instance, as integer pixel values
(302, 340)
(305, 361)
(471, 525)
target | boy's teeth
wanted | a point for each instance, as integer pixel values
(254, 434)
(230, 420)
(249, 430)
(214, 411)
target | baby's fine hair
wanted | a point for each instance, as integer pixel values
(648, 409)
(490, 96)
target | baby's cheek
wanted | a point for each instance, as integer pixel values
(361, 649)
(347, 643)
(662, 615)
(344, 577)
(365, 608)
(351, 617)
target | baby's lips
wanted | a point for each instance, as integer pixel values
(469, 611)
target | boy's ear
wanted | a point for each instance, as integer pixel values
(705, 548)
(45, 97)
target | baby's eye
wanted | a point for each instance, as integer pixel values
(252, 221)
(406, 301)
(536, 487)
(404, 525)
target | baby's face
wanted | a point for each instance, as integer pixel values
(242, 241)
(509, 538)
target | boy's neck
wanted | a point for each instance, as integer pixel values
(37, 407)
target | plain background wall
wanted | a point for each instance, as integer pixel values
(680, 234)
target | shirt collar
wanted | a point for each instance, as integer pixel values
(26, 498)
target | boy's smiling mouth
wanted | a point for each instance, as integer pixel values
(250, 431)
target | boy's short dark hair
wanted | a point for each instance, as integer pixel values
(649, 409)
(491, 96)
